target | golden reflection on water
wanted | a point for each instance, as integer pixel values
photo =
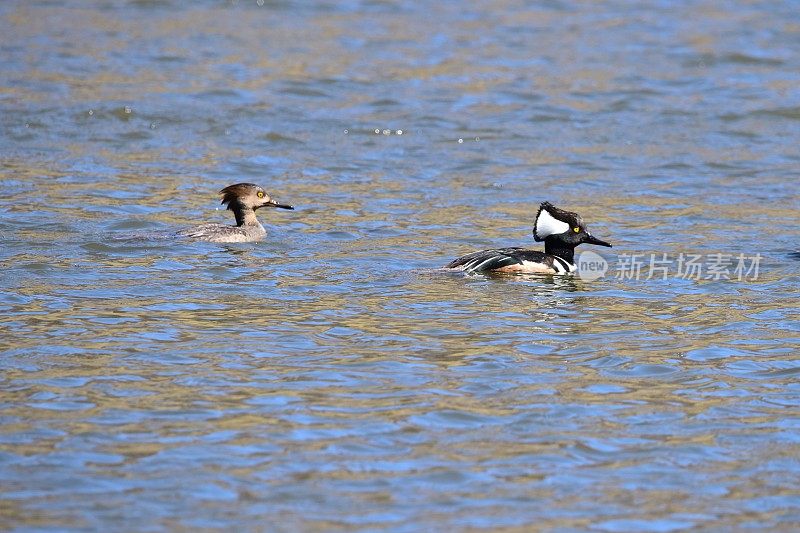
(331, 378)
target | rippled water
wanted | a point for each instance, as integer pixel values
(330, 379)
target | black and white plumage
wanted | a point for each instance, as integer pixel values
(561, 232)
(243, 199)
(512, 260)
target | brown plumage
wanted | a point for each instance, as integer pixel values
(243, 199)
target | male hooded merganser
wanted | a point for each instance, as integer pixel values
(561, 232)
(243, 199)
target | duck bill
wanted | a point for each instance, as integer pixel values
(589, 239)
(280, 206)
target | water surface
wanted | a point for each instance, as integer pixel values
(328, 379)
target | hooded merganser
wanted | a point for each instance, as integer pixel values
(243, 199)
(561, 232)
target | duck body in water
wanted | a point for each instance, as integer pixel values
(243, 199)
(561, 232)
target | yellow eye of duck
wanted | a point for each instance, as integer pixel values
(576, 229)
(260, 194)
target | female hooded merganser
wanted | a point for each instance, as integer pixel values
(243, 199)
(561, 232)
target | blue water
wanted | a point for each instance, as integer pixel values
(330, 378)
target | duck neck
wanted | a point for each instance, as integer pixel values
(245, 216)
(560, 249)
